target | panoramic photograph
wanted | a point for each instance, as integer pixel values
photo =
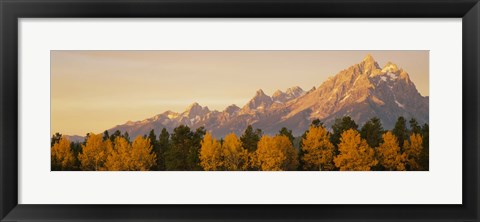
(231, 110)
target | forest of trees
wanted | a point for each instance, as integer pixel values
(346, 148)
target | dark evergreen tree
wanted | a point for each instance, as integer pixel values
(155, 146)
(288, 133)
(76, 148)
(339, 126)
(424, 159)
(163, 145)
(126, 136)
(55, 139)
(115, 134)
(316, 123)
(250, 138)
(400, 131)
(372, 132)
(105, 135)
(193, 157)
(414, 126)
(177, 156)
(86, 138)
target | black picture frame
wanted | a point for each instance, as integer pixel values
(12, 10)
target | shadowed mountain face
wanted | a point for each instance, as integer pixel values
(361, 91)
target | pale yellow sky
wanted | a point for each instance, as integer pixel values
(95, 90)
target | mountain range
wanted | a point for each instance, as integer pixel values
(361, 91)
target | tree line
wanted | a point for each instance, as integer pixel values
(346, 148)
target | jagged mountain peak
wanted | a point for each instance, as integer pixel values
(232, 109)
(368, 58)
(362, 91)
(296, 91)
(193, 106)
(277, 93)
(170, 114)
(259, 102)
(290, 94)
(369, 65)
(195, 109)
(260, 93)
(390, 67)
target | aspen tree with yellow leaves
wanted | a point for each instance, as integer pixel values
(210, 153)
(275, 154)
(119, 158)
(234, 156)
(355, 153)
(143, 158)
(62, 157)
(389, 154)
(317, 149)
(94, 152)
(413, 149)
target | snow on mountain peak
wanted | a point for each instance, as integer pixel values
(195, 110)
(361, 91)
(390, 67)
(295, 91)
(369, 65)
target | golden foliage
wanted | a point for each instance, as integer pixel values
(94, 153)
(413, 149)
(119, 157)
(234, 156)
(318, 150)
(355, 153)
(142, 156)
(124, 157)
(389, 153)
(62, 156)
(210, 153)
(275, 153)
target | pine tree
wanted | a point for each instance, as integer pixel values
(389, 153)
(250, 138)
(194, 151)
(55, 139)
(163, 144)
(340, 126)
(126, 136)
(286, 132)
(317, 123)
(414, 127)
(424, 155)
(400, 131)
(372, 132)
(355, 153)
(317, 150)
(106, 136)
(114, 135)
(154, 142)
(177, 156)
